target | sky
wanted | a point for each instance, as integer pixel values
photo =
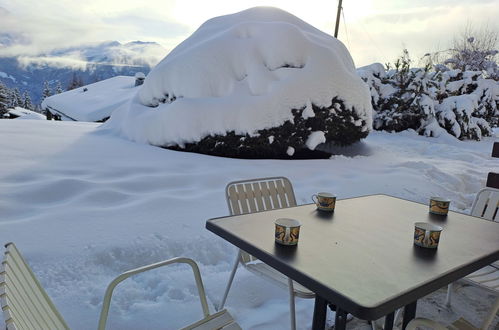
(372, 30)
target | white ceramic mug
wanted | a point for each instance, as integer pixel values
(287, 231)
(439, 205)
(325, 201)
(426, 234)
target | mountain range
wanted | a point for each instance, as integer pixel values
(90, 63)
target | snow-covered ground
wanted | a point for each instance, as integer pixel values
(83, 206)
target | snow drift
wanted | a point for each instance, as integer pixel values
(257, 83)
(92, 102)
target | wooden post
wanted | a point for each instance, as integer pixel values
(337, 19)
(495, 150)
(493, 178)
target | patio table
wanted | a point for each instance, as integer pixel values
(361, 257)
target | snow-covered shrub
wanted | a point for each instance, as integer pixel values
(488, 101)
(465, 103)
(258, 83)
(4, 99)
(475, 50)
(455, 114)
(469, 101)
(296, 137)
(402, 97)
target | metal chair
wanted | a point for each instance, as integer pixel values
(484, 206)
(26, 305)
(460, 324)
(248, 196)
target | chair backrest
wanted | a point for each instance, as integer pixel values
(486, 204)
(24, 302)
(248, 196)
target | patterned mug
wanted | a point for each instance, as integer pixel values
(287, 231)
(427, 235)
(324, 201)
(439, 205)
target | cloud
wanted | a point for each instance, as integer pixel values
(421, 27)
(53, 61)
(49, 24)
(137, 54)
(150, 27)
(375, 30)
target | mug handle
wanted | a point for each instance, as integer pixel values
(314, 195)
(426, 239)
(287, 236)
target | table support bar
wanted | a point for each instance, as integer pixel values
(409, 313)
(319, 320)
(340, 320)
(389, 321)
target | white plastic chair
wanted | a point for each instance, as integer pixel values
(460, 324)
(26, 305)
(484, 206)
(256, 195)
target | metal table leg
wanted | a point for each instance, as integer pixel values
(409, 313)
(340, 321)
(319, 320)
(389, 321)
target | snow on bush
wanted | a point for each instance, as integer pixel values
(470, 53)
(260, 83)
(465, 104)
(402, 97)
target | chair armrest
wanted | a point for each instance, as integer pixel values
(109, 291)
(422, 322)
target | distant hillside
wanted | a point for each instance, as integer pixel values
(91, 63)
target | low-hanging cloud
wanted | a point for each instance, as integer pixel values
(131, 54)
(44, 26)
(53, 61)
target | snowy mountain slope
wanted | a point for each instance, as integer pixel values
(90, 62)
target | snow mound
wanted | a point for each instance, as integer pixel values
(21, 113)
(244, 73)
(93, 102)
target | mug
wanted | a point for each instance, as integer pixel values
(287, 231)
(324, 201)
(426, 234)
(439, 205)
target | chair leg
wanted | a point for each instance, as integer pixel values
(489, 318)
(231, 278)
(449, 293)
(397, 316)
(292, 311)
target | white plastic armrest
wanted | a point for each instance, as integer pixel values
(109, 291)
(421, 322)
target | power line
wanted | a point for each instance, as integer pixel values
(345, 25)
(372, 40)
